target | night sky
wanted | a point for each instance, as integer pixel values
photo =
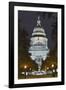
(28, 20)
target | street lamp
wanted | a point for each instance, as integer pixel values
(53, 70)
(52, 65)
(47, 68)
(25, 67)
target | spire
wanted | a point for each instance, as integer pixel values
(38, 21)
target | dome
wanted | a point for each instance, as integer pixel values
(38, 45)
(38, 30)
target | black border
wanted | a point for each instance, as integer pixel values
(11, 44)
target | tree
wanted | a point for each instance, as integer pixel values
(52, 56)
(23, 54)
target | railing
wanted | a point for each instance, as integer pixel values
(38, 48)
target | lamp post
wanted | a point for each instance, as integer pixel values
(52, 67)
(30, 71)
(25, 67)
(53, 70)
(47, 68)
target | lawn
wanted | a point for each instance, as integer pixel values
(38, 76)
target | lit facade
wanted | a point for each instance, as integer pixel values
(38, 45)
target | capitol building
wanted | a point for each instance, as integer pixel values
(38, 45)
